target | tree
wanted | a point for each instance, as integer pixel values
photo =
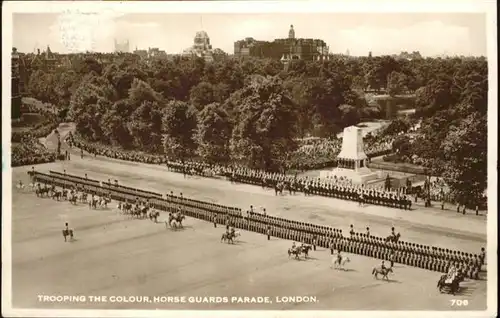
(87, 66)
(219, 54)
(264, 131)
(397, 126)
(179, 124)
(114, 128)
(41, 86)
(145, 126)
(396, 83)
(349, 115)
(89, 102)
(65, 85)
(326, 96)
(201, 95)
(402, 145)
(140, 92)
(465, 151)
(435, 96)
(213, 133)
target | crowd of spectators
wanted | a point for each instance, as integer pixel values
(26, 148)
(30, 152)
(321, 153)
(41, 129)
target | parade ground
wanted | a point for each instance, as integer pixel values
(114, 255)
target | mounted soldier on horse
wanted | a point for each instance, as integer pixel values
(153, 215)
(67, 232)
(298, 250)
(383, 270)
(393, 238)
(340, 261)
(278, 188)
(175, 219)
(229, 236)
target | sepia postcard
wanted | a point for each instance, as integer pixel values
(249, 158)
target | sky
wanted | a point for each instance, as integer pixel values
(381, 33)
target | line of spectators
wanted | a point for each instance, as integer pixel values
(30, 152)
(336, 187)
(42, 129)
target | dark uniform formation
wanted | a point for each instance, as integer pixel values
(333, 188)
(417, 255)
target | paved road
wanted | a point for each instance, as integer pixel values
(117, 256)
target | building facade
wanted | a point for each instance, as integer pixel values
(290, 48)
(122, 47)
(150, 53)
(45, 61)
(15, 97)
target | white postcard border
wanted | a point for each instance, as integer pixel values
(249, 7)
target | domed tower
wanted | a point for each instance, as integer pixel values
(202, 41)
(202, 47)
(291, 33)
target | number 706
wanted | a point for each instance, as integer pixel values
(459, 302)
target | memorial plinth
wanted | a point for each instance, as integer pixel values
(351, 159)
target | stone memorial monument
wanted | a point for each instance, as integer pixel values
(351, 159)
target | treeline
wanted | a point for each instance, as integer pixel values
(251, 111)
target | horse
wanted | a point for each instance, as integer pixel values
(93, 203)
(339, 263)
(144, 212)
(307, 189)
(103, 202)
(72, 197)
(294, 251)
(43, 191)
(175, 220)
(56, 195)
(305, 249)
(66, 233)
(278, 188)
(39, 191)
(383, 271)
(453, 286)
(125, 207)
(393, 238)
(32, 186)
(20, 185)
(153, 215)
(83, 197)
(229, 237)
(291, 187)
(137, 211)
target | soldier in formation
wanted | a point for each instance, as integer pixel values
(412, 254)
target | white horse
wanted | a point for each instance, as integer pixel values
(20, 185)
(339, 263)
(32, 186)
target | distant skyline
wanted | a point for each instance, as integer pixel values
(381, 33)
